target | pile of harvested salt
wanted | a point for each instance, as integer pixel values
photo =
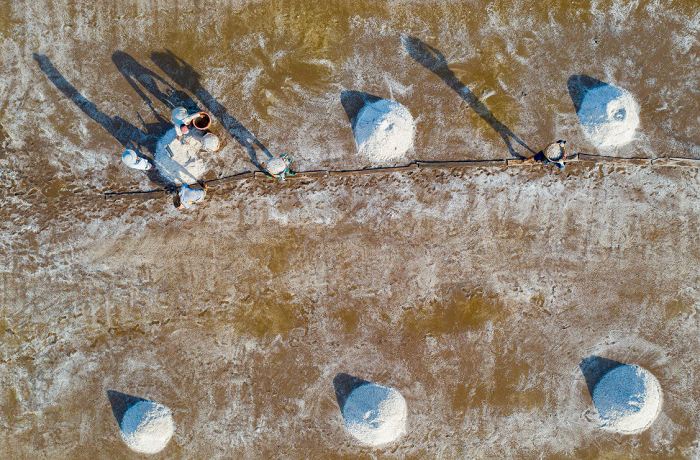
(210, 142)
(384, 131)
(147, 427)
(609, 116)
(177, 160)
(628, 399)
(375, 414)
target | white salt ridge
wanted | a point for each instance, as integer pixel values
(628, 399)
(609, 116)
(147, 427)
(384, 131)
(185, 167)
(375, 414)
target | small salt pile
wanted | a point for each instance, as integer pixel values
(375, 414)
(177, 160)
(609, 116)
(384, 131)
(210, 142)
(628, 399)
(147, 427)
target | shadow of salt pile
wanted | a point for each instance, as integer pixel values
(353, 102)
(120, 403)
(594, 368)
(344, 384)
(579, 85)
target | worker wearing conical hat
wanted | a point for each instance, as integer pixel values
(555, 153)
(181, 120)
(279, 168)
(132, 160)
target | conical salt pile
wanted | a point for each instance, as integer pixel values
(384, 131)
(147, 427)
(609, 116)
(375, 414)
(628, 399)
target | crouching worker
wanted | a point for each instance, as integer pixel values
(187, 196)
(279, 168)
(181, 121)
(132, 160)
(555, 153)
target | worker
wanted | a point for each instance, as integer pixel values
(181, 121)
(555, 153)
(189, 196)
(132, 160)
(280, 168)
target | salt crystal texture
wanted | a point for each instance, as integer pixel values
(384, 131)
(375, 414)
(628, 399)
(147, 427)
(609, 116)
(184, 167)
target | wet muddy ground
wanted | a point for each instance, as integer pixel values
(476, 293)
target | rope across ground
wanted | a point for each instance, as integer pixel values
(580, 158)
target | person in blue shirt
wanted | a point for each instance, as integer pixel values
(189, 196)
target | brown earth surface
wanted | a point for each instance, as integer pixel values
(477, 293)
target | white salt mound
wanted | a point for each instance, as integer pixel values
(147, 427)
(609, 116)
(384, 131)
(375, 414)
(184, 167)
(628, 399)
(210, 142)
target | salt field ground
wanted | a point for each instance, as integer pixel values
(477, 293)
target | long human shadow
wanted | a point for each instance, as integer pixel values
(139, 76)
(120, 403)
(344, 384)
(433, 60)
(594, 368)
(184, 75)
(579, 85)
(124, 132)
(353, 102)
